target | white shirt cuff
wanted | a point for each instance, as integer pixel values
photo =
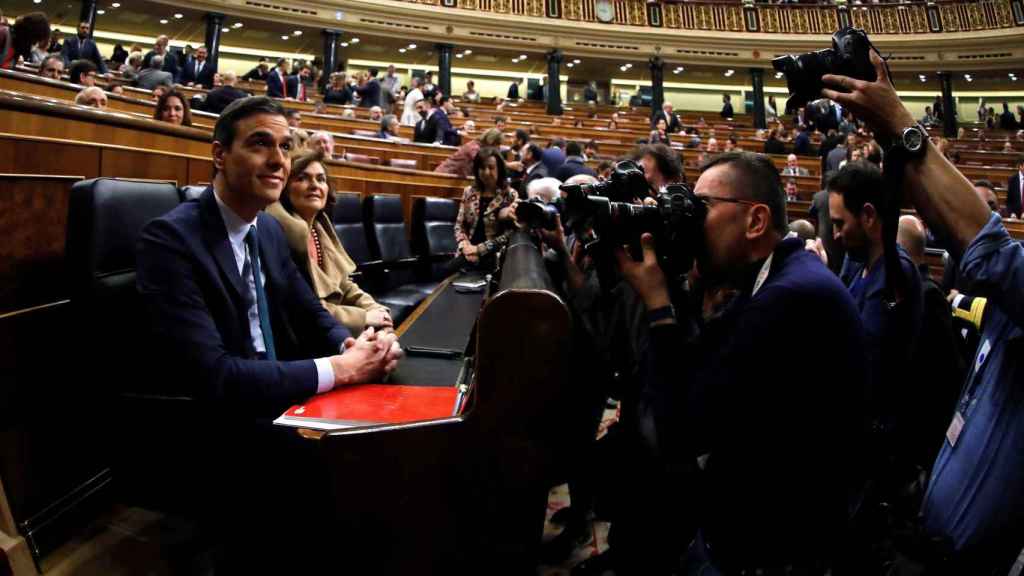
(324, 375)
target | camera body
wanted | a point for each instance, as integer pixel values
(607, 215)
(536, 214)
(848, 56)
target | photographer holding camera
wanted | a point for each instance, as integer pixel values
(772, 454)
(974, 505)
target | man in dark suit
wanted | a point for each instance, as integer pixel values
(369, 90)
(276, 80)
(219, 98)
(726, 106)
(83, 47)
(574, 163)
(533, 168)
(443, 130)
(425, 130)
(229, 310)
(260, 72)
(1015, 190)
(170, 58)
(513, 89)
(672, 123)
(199, 72)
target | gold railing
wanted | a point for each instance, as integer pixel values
(916, 18)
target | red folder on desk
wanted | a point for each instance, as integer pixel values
(366, 404)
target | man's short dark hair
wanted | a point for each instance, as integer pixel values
(984, 183)
(592, 144)
(500, 119)
(442, 99)
(573, 148)
(557, 142)
(534, 151)
(859, 183)
(763, 183)
(224, 129)
(666, 159)
(42, 65)
(372, 72)
(292, 113)
(78, 68)
(522, 135)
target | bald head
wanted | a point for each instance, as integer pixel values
(911, 236)
(803, 229)
(229, 77)
(92, 96)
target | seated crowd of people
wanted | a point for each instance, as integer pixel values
(743, 446)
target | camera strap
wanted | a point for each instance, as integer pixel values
(893, 166)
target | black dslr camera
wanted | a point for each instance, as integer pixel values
(848, 56)
(609, 214)
(536, 214)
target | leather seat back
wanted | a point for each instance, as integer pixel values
(433, 232)
(382, 215)
(105, 216)
(191, 192)
(348, 225)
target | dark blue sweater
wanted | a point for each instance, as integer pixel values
(772, 393)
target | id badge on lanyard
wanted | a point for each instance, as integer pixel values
(966, 399)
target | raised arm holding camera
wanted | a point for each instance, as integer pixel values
(975, 498)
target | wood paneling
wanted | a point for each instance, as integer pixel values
(146, 165)
(33, 216)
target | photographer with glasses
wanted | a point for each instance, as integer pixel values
(769, 451)
(974, 506)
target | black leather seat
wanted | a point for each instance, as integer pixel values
(191, 192)
(433, 233)
(105, 216)
(388, 242)
(347, 216)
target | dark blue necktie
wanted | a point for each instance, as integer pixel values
(261, 296)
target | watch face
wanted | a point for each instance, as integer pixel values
(913, 139)
(605, 10)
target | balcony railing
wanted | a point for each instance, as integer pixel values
(911, 18)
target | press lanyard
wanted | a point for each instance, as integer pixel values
(763, 274)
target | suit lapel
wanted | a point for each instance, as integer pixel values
(215, 236)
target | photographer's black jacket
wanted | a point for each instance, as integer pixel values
(769, 397)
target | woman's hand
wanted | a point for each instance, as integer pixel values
(471, 252)
(379, 318)
(509, 212)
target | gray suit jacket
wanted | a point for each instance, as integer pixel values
(150, 78)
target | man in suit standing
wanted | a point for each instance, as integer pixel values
(424, 130)
(83, 47)
(1015, 191)
(534, 169)
(170, 61)
(513, 89)
(726, 106)
(199, 72)
(672, 123)
(444, 133)
(277, 79)
(369, 89)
